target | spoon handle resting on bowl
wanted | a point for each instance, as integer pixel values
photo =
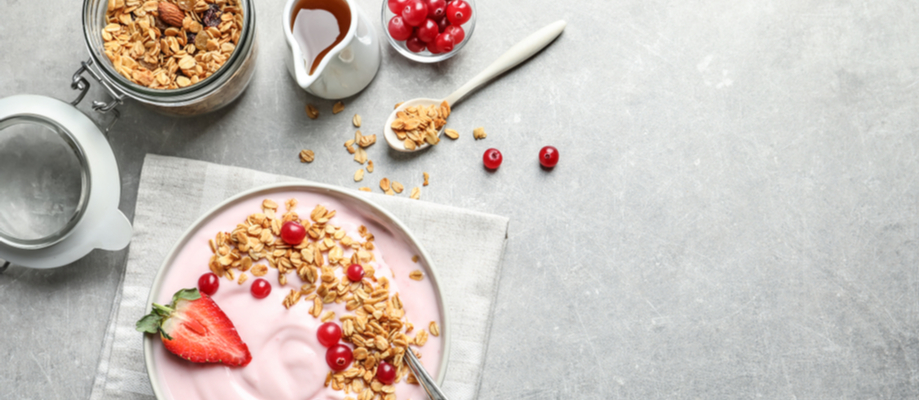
(519, 53)
(427, 382)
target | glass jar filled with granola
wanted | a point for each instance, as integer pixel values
(178, 57)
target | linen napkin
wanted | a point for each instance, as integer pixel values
(466, 247)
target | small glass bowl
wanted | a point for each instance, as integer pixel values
(425, 56)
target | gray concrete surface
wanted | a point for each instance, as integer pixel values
(734, 214)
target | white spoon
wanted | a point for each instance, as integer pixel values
(514, 56)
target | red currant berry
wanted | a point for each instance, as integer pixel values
(208, 284)
(459, 12)
(329, 334)
(445, 42)
(293, 232)
(549, 156)
(492, 158)
(386, 374)
(457, 32)
(433, 47)
(427, 31)
(415, 12)
(339, 357)
(415, 45)
(398, 29)
(355, 272)
(436, 8)
(396, 6)
(260, 288)
(443, 23)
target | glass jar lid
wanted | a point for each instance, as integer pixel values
(59, 185)
(44, 184)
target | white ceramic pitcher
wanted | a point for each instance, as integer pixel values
(348, 67)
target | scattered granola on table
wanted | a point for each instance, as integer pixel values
(170, 44)
(312, 112)
(479, 133)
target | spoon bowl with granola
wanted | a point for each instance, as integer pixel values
(417, 124)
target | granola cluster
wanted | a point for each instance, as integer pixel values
(171, 44)
(376, 322)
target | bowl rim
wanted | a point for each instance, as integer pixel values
(386, 14)
(315, 188)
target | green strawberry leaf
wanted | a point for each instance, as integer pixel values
(150, 323)
(153, 322)
(186, 294)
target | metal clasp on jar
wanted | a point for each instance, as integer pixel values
(79, 82)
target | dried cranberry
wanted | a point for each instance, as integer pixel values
(212, 16)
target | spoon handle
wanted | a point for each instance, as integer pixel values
(423, 378)
(514, 56)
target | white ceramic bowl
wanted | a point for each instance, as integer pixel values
(372, 212)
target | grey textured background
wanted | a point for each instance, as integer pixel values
(734, 214)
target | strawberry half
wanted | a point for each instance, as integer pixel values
(193, 327)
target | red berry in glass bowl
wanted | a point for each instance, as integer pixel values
(427, 31)
(443, 23)
(386, 373)
(396, 6)
(549, 156)
(436, 8)
(492, 158)
(458, 12)
(433, 47)
(457, 33)
(260, 288)
(293, 232)
(398, 29)
(445, 42)
(415, 45)
(208, 283)
(415, 12)
(329, 334)
(355, 272)
(339, 357)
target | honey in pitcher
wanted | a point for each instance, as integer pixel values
(314, 23)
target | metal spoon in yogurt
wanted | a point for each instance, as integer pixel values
(514, 56)
(422, 376)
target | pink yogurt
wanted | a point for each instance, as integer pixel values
(287, 360)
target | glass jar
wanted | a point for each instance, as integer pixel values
(215, 92)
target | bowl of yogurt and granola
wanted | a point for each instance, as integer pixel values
(306, 324)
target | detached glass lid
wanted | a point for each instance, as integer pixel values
(44, 182)
(59, 185)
